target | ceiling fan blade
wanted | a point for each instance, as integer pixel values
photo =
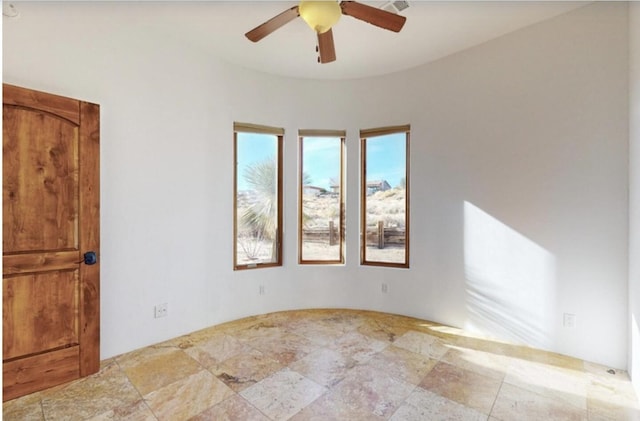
(261, 31)
(372, 15)
(326, 47)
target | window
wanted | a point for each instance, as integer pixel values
(257, 222)
(321, 198)
(384, 199)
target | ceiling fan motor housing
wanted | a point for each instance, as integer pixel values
(320, 15)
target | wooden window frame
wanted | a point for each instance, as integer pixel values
(364, 135)
(340, 134)
(279, 133)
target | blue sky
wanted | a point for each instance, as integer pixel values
(385, 157)
(252, 148)
(321, 160)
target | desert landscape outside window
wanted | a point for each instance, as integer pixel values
(321, 197)
(384, 198)
(257, 221)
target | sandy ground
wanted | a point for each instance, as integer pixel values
(322, 251)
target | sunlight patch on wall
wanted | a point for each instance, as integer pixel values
(510, 281)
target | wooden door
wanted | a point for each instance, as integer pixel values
(51, 205)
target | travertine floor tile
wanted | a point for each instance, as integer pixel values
(484, 363)
(343, 321)
(423, 405)
(610, 395)
(283, 394)
(549, 380)
(216, 350)
(490, 346)
(608, 411)
(286, 348)
(326, 409)
(324, 366)
(234, 408)
(553, 359)
(263, 329)
(402, 364)
(245, 369)
(319, 333)
(187, 397)
(514, 403)
(94, 395)
(155, 367)
(422, 343)
(137, 411)
(463, 386)
(358, 346)
(382, 330)
(366, 391)
(25, 408)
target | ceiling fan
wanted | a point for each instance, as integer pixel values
(322, 15)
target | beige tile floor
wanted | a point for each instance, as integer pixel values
(336, 365)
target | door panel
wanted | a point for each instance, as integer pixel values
(51, 211)
(40, 194)
(41, 313)
(25, 375)
(29, 263)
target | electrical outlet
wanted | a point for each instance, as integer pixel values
(261, 290)
(385, 288)
(569, 320)
(161, 310)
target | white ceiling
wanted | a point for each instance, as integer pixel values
(434, 29)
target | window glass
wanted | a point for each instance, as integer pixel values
(321, 217)
(258, 199)
(385, 197)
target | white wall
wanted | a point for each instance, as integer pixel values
(634, 199)
(519, 147)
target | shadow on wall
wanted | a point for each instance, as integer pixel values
(510, 281)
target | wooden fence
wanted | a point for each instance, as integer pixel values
(379, 237)
(330, 234)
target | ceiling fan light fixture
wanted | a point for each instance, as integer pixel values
(320, 15)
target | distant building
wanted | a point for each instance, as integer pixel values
(377, 185)
(313, 190)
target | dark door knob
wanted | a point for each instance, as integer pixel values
(90, 258)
